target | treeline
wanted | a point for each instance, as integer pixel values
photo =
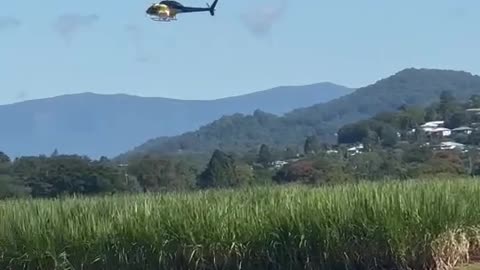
(65, 175)
(389, 145)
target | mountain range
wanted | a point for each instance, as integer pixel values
(107, 125)
(246, 132)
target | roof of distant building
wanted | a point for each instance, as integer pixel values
(462, 128)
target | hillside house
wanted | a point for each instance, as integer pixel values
(438, 132)
(450, 146)
(355, 149)
(462, 130)
(279, 164)
(474, 113)
(436, 129)
(474, 110)
(433, 124)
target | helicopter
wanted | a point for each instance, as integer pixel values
(166, 11)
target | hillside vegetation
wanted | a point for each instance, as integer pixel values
(107, 125)
(389, 145)
(240, 133)
(400, 225)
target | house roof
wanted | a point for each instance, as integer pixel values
(433, 124)
(473, 110)
(462, 128)
(454, 144)
(440, 129)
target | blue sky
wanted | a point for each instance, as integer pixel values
(55, 47)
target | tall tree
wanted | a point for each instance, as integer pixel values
(220, 172)
(264, 155)
(54, 153)
(474, 138)
(156, 173)
(457, 119)
(388, 136)
(448, 104)
(312, 145)
(4, 158)
(353, 133)
(431, 113)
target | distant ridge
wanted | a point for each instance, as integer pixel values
(109, 124)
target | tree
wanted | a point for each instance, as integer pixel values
(353, 133)
(448, 104)
(473, 160)
(54, 153)
(415, 153)
(410, 118)
(366, 166)
(312, 145)
(474, 138)
(388, 136)
(457, 119)
(289, 153)
(474, 101)
(420, 136)
(12, 187)
(445, 162)
(67, 175)
(156, 173)
(244, 173)
(300, 171)
(264, 155)
(220, 172)
(4, 158)
(371, 140)
(328, 171)
(431, 114)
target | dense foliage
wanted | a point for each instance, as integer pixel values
(393, 145)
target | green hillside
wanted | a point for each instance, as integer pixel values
(240, 132)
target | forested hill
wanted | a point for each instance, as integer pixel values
(408, 87)
(241, 132)
(107, 125)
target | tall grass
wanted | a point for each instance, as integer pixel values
(398, 225)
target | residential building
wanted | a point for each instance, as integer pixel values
(464, 130)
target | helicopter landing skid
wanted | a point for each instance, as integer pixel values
(164, 19)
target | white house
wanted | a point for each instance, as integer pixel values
(474, 110)
(439, 131)
(436, 128)
(279, 164)
(465, 130)
(451, 146)
(355, 149)
(433, 124)
(444, 132)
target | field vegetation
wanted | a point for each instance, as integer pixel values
(418, 224)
